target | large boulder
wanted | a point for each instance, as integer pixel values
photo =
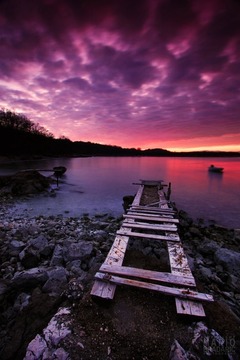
(25, 183)
(57, 281)
(229, 259)
(77, 251)
(37, 248)
(30, 278)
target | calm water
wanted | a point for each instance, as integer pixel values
(97, 184)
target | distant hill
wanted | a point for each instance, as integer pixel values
(21, 137)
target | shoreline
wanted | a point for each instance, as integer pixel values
(50, 261)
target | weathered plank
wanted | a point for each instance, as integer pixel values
(150, 215)
(182, 293)
(114, 257)
(149, 274)
(153, 209)
(184, 307)
(170, 237)
(151, 182)
(137, 198)
(142, 225)
(158, 219)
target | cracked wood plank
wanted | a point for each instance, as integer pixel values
(169, 237)
(142, 225)
(114, 257)
(182, 293)
(149, 274)
(149, 218)
(178, 258)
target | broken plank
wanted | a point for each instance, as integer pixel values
(150, 215)
(149, 274)
(114, 257)
(178, 259)
(188, 307)
(149, 211)
(183, 293)
(153, 208)
(184, 307)
(159, 219)
(151, 182)
(179, 266)
(137, 198)
(141, 225)
(100, 288)
(170, 237)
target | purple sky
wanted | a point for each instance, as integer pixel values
(133, 73)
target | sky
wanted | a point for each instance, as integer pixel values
(132, 73)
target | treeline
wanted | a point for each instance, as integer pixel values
(21, 137)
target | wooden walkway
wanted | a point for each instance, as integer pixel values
(138, 221)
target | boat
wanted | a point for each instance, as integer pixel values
(215, 169)
(59, 170)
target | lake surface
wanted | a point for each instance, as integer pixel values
(96, 185)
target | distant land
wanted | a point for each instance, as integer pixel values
(20, 137)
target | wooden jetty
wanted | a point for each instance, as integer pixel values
(160, 218)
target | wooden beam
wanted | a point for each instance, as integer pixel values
(141, 225)
(182, 293)
(150, 215)
(149, 275)
(153, 209)
(137, 198)
(159, 219)
(115, 257)
(184, 307)
(151, 182)
(170, 237)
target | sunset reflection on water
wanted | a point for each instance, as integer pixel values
(97, 185)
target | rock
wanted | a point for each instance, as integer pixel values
(77, 251)
(30, 278)
(36, 348)
(57, 257)
(127, 201)
(177, 352)
(45, 347)
(208, 247)
(237, 235)
(205, 273)
(40, 243)
(29, 258)
(56, 329)
(28, 182)
(147, 250)
(74, 290)
(207, 342)
(60, 354)
(195, 231)
(15, 247)
(234, 282)
(57, 281)
(3, 288)
(229, 259)
(21, 302)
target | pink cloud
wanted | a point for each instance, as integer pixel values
(140, 73)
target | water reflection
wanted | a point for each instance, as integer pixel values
(98, 184)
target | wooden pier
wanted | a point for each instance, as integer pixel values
(155, 221)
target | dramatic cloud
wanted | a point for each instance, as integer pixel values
(139, 73)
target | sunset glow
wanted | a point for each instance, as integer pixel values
(139, 73)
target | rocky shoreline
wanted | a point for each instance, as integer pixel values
(50, 262)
